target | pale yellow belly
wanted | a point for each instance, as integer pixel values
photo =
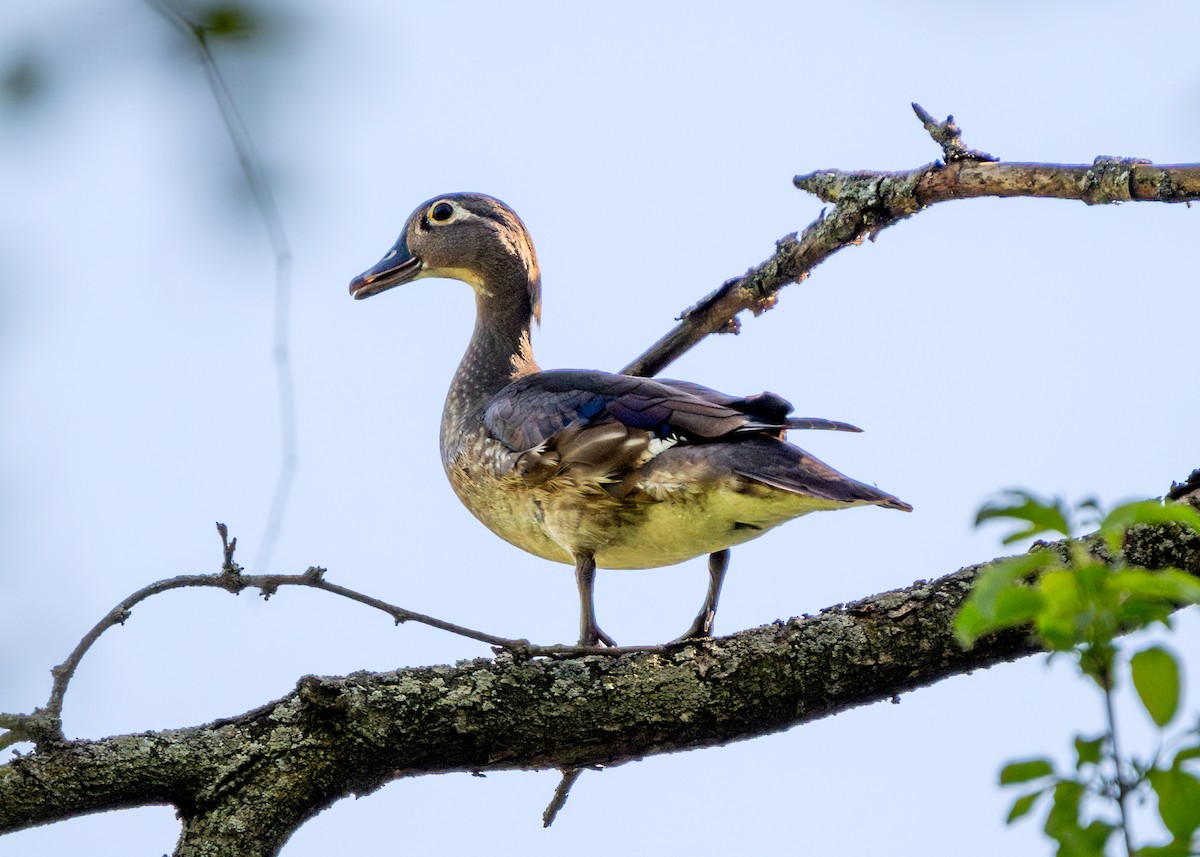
(653, 526)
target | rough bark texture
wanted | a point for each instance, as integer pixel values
(243, 785)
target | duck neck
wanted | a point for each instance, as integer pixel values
(500, 351)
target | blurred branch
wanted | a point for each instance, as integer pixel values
(865, 203)
(245, 783)
(226, 22)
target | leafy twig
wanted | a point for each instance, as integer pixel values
(1077, 597)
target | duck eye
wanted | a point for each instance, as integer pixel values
(441, 212)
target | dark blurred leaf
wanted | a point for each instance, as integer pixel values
(1088, 750)
(1156, 678)
(1178, 801)
(1062, 824)
(1090, 512)
(1096, 662)
(1173, 849)
(227, 20)
(22, 80)
(1018, 605)
(1171, 587)
(1187, 754)
(1060, 621)
(1040, 515)
(1022, 805)
(1023, 772)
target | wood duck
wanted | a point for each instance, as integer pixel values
(592, 468)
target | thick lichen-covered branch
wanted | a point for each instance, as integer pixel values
(249, 781)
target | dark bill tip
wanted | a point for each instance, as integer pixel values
(399, 266)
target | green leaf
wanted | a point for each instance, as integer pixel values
(1088, 750)
(1062, 824)
(1040, 515)
(1023, 772)
(1170, 586)
(1186, 754)
(1022, 805)
(970, 624)
(1017, 605)
(1171, 849)
(1120, 519)
(1156, 677)
(1178, 801)
(991, 607)
(1060, 622)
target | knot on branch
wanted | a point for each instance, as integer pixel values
(320, 694)
(1110, 180)
(949, 136)
(864, 202)
(706, 304)
(826, 185)
(761, 284)
(42, 727)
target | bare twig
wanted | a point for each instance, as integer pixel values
(864, 203)
(264, 200)
(949, 137)
(569, 776)
(45, 724)
(21, 727)
(227, 547)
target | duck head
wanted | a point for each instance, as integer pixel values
(462, 236)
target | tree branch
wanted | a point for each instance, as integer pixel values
(45, 724)
(247, 782)
(866, 203)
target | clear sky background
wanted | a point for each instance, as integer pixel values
(650, 149)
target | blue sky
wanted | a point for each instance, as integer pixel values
(650, 149)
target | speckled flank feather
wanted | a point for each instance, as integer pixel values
(575, 465)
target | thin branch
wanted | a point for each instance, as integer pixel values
(1122, 783)
(21, 727)
(561, 793)
(264, 200)
(45, 724)
(866, 203)
(948, 135)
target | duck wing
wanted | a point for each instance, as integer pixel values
(600, 424)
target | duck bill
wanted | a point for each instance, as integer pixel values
(399, 266)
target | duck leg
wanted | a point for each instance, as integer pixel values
(718, 564)
(585, 577)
